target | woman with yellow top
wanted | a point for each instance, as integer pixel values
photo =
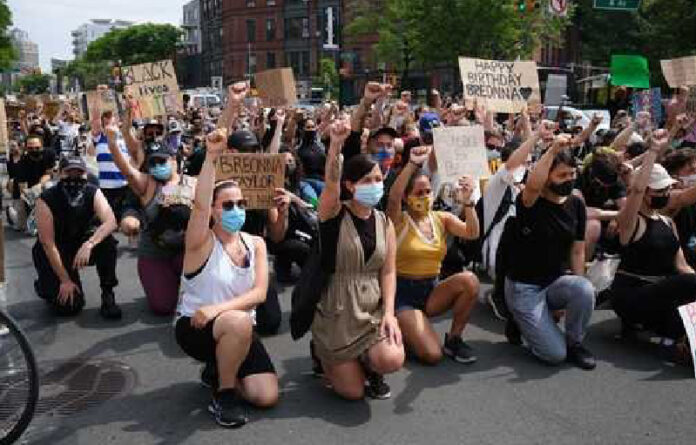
(421, 247)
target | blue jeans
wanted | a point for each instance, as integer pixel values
(531, 306)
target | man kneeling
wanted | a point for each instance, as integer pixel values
(65, 215)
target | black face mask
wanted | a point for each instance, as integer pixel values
(563, 188)
(74, 189)
(492, 147)
(35, 155)
(309, 136)
(659, 202)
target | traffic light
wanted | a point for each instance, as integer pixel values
(521, 5)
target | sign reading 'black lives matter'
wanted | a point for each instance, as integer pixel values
(505, 87)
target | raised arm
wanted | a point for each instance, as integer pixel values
(628, 216)
(540, 173)
(373, 91)
(416, 160)
(587, 132)
(235, 100)
(330, 199)
(622, 139)
(135, 147)
(136, 179)
(274, 147)
(519, 157)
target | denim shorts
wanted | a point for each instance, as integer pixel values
(413, 294)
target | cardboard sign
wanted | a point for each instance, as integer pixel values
(98, 102)
(679, 72)
(556, 88)
(4, 138)
(505, 87)
(276, 87)
(650, 101)
(258, 176)
(688, 316)
(51, 109)
(154, 87)
(460, 151)
(12, 110)
(32, 103)
(630, 71)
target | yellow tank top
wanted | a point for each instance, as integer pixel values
(417, 256)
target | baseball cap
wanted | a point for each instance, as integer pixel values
(384, 130)
(158, 150)
(243, 140)
(659, 178)
(428, 121)
(153, 123)
(72, 163)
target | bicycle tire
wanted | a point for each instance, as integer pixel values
(33, 376)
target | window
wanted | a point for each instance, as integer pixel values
(270, 60)
(270, 29)
(251, 30)
(250, 3)
(294, 28)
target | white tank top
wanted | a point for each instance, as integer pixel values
(220, 280)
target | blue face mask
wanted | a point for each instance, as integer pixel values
(161, 172)
(369, 195)
(233, 220)
(384, 158)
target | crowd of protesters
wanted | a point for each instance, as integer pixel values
(395, 244)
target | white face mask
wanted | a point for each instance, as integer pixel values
(688, 181)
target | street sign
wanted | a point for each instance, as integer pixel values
(559, 7)
(624, 5)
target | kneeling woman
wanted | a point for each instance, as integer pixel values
(355, 333)
(653, 278)
(421, 247)
(225, 278)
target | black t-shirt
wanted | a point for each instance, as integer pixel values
(600, 197)
(72, 222)
(685, 221)
(30, 171)
(255, 222)
(313, 160)
(543, 238)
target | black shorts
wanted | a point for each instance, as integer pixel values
(200, 344)
(413, 294)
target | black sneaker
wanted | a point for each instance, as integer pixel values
(512, 332)
(376, 387)
(37, 289)
(228, 409)
(209, 376)
(109, 309)
(317, 368)
(456, 349)
(581, 357)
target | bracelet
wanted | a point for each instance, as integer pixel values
(470, 205)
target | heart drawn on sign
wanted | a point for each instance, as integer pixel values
(526, 92)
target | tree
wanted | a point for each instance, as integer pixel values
(7, 52)
(428, 33)
(130, 46)
(660, 29)
(34, 83)
(328, 77)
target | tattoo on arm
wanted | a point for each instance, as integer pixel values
(334, 172)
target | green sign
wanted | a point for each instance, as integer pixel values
(630, 71)
(625, 5)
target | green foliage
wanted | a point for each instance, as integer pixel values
(660, 29)
(130, 46)
(328, 77)
(7, 51)
(427, 33)
(34, 83)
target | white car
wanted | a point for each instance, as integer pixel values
(575, 117)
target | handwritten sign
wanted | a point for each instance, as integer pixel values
(98, 102)
(12, 110)
(154, 87)
(679, 72)
(650, 101)
(51, 109)
(258, 175)
(276, 87)
(688, 316)
(505, 87)
(4, 138)
(460, 151)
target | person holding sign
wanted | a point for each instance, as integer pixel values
(355, 333)
(547, 242)
(166, 197)
(653, 278)
(421, 248)
(225, 279)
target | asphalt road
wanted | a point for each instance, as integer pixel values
(128, 383)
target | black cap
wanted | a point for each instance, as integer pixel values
(154, 123)
(157, 150)
(384, 130)
(242, 140)
(72, 163)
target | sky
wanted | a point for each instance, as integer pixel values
(49, 22)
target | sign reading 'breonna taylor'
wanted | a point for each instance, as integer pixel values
(504, 87)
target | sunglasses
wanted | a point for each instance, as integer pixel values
(157, 161)
(231, 204)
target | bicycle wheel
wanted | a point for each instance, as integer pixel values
(19, 381)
